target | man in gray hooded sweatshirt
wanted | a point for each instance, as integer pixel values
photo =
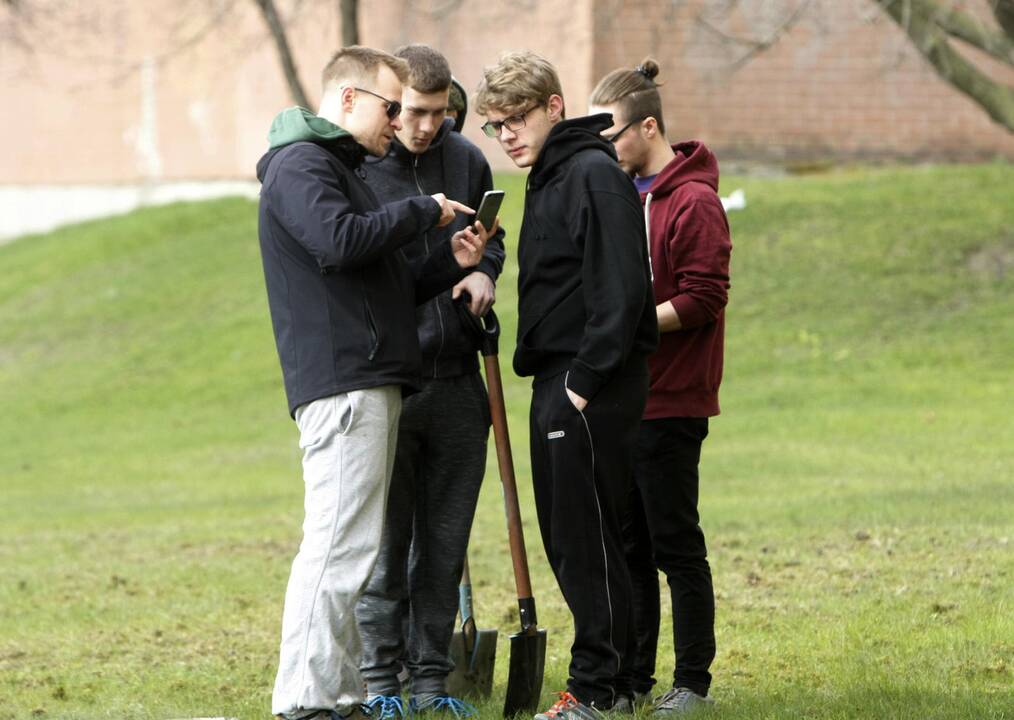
(342, 299)
(441, 454)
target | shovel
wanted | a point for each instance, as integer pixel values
(528, 646)
(473, 651)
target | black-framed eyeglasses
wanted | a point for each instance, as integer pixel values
(493, 128)
(393, 107)
(616, 135)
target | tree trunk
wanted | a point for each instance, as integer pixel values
(350, 22)
(918, 18)
(1003, 11)
(274, 23)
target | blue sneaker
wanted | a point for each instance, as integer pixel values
(442, 704)
(387, 707)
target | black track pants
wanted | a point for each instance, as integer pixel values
(582, 467)
(661, 531)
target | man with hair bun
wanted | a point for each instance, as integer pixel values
(342, 300)
(690, 247)
(586, 324)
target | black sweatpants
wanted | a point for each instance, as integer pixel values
(406, 613)
(582, 465)
(662, 530)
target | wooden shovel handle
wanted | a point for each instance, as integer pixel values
(505, 460)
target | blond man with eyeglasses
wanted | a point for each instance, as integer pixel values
(586, 324)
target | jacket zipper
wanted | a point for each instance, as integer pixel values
(426, 244)
(372, 324)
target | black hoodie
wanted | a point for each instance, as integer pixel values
(342, 297)
(585, 302)
(454, 166)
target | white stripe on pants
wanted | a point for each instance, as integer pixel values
(348, 443)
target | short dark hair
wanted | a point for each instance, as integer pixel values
(360, 64)
(428, 71)
(635, 91)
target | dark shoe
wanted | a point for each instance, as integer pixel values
(622, 706)
(356, 712)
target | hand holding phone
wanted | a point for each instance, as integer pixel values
(489, 208)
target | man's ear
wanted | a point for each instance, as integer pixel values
(649, 126)
(555, 107)
(348, 98)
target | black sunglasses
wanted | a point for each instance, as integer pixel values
(616, 135)
(393, 106)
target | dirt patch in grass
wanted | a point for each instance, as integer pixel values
(994, 261)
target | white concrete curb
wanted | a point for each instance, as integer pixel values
(39, 208)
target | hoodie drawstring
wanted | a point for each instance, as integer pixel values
(647, 234)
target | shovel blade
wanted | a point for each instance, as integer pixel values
(524, 677)
(473, 672)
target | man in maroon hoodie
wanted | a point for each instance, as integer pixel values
(689, 246)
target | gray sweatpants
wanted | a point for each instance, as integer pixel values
(348, 443)
(406, 614)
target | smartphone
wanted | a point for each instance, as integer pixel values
(489, 208)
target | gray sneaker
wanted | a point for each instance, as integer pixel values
(622, 706)
(680, 701)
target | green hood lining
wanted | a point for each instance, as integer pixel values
(297, 124)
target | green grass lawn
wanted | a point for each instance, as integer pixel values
(857, 491)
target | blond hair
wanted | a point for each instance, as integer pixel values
(518, 79)
(357, 63)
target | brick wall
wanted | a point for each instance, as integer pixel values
(110, 97)
(843, 82)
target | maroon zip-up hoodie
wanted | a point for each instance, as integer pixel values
(688, 235)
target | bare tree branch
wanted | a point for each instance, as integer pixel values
(1003, 11)
(916, 18)
(963, 26)
(350, 22)
(274, 23)
(754, 45)
(443, 10)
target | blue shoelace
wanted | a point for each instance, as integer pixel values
(459, 708)
(387, 707)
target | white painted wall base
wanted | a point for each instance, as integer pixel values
(39, 208)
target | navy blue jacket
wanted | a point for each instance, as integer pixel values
(342, 296)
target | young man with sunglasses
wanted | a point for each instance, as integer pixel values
(342, 300)
(406, 614)
(586, 324)
(690, 249)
